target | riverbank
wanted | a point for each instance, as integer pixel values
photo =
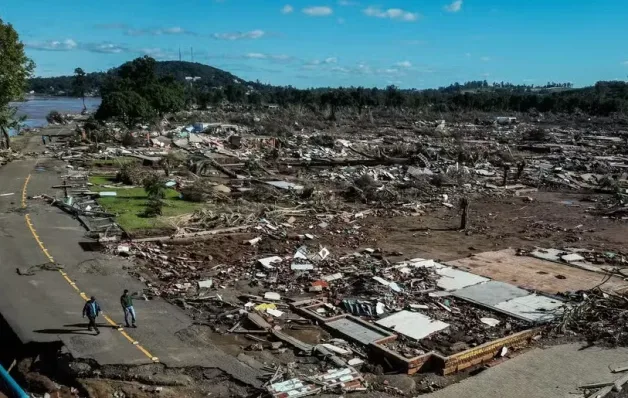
(35, 109)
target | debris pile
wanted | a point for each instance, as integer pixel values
(601, 318)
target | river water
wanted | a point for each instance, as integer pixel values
(36, 108)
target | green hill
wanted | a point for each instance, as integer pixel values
(210, 77)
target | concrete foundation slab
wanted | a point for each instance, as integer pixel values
(536, 274)
(412, 324)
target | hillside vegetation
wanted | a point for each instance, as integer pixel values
(216, 86)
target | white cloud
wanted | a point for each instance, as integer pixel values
(625, 63)
(174, 30)
(256, 56)
(340, 69)
(254, 34)
(347, 3)
(53, 45)
(287, 9)
(330, 60)
(454, 7)
(391, 13)
(318, 11)
(105, 48)
(157, 53)
(404, 64)
(281, 58)
(485, 59)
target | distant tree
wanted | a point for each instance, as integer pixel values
(254, 98)
(235, 93)
(156, 192)
(127, 106)
(139, 73)
(78, 85)
(15, 69)
(165, 97)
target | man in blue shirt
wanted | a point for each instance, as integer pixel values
(91, 311)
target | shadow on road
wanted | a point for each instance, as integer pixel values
(64, 331)
(75, 328)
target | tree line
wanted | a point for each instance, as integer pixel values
(144, 88)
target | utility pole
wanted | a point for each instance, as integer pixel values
(179, 53)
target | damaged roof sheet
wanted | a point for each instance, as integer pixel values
(533, 307)
(491, 293)
(357, 331)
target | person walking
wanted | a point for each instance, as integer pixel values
(91, 311)
(126, 300)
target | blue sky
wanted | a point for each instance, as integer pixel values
(309, 43)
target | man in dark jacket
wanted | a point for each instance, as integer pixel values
(91, 310)
(126, 301)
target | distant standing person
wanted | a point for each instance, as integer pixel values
(126, 300)
(91, 311)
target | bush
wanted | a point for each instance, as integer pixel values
(132, 174)
(54, 117)
(128, 140)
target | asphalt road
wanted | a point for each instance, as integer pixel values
(46, 307)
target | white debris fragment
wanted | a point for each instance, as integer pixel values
(272, 296)
(275, 313)
(268, 261)
(332, 277)
(255, 241)
(206, 284)
(490, 321)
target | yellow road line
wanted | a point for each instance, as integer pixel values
(65, 276)
(24, 191)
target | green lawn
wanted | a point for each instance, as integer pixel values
(130, 203)
(115, 162)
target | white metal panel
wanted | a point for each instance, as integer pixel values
(534, 307)
(454, 279)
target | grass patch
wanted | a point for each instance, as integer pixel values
(115, 162)
(130, 203)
